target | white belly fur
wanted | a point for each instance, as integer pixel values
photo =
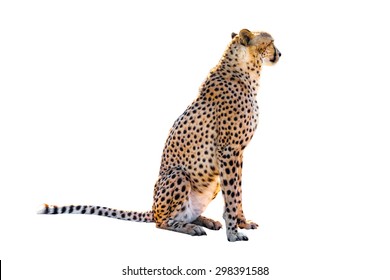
(198, 202)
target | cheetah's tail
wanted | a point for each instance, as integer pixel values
(146, 217)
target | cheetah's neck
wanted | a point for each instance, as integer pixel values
(242, 62)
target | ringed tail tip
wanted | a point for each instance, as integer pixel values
(43, 209)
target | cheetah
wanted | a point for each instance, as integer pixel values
(203, 153)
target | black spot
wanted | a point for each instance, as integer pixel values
(100, 213)
(177, 196)
(92, 210)
(63, 209)
(231, 182)
(71, 209)
(78, 207)
(55, 210)
(113, 214)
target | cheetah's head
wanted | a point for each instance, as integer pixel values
(261, 43)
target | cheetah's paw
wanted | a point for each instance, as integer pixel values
(247, 225)
(195, 230)
(213, 225)
(236, 236)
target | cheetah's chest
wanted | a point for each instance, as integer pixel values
(243, 129)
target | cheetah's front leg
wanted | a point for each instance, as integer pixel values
(241, 220)
(229, 160)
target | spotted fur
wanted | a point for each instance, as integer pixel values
(98, 210)
(204, 150)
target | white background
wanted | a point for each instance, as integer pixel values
(89, 90)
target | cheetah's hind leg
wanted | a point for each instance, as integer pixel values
(207, 223)
(243, 223)
(171, 201)
(182, 227)
(247, 224)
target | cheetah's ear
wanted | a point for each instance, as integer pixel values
(245, 36)
(234, 35)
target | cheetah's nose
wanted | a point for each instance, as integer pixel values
(280, 54)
